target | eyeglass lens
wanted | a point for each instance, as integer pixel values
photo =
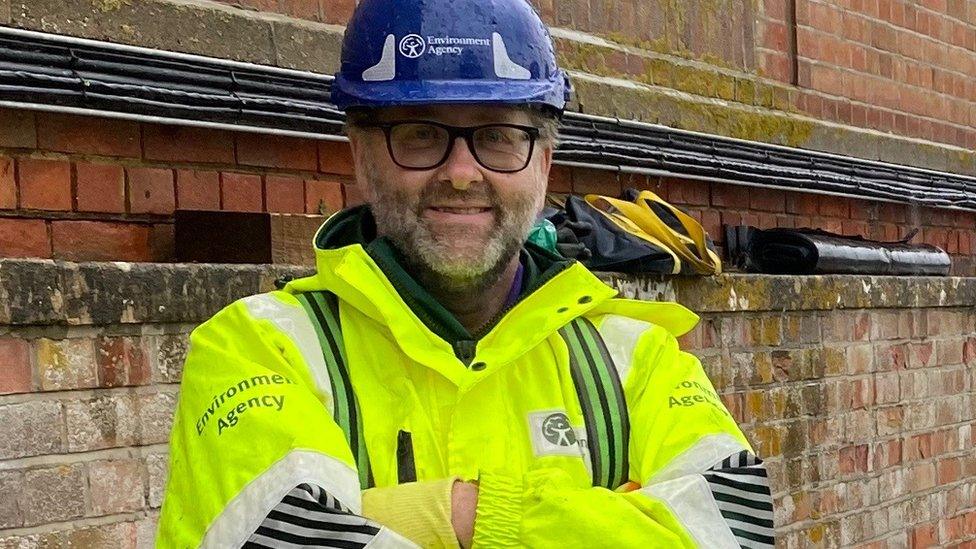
(423, 146)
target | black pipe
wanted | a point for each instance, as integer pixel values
(46, 69)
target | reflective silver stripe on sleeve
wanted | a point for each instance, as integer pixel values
(292, 321)
(310, 517)
(709, 450)
(620, 334)
(740, 487)
(251, 506)
(690, 500)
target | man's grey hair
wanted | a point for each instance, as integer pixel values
(546, 120)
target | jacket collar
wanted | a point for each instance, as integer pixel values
(365, 273)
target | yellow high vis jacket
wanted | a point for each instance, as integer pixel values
(298, 405)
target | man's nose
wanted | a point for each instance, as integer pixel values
(461, 168)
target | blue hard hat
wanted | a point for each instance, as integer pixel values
(416, 52)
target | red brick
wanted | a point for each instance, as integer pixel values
(847, 459)
(689, 191)
(954, 528)
(151, 190)
(121, 361)
(241, 192)
(100, 241)
(730, 196)
(88, 135)
(768, 200)
(24, 238)
(44, 184)
(322, 197)
(18, 129)
(835, 226)
(8, 186)
(560, 180)
(733, 219)
(767, 220)
(284, 194)
(926, 535)
(197, 190)
(712, 223)
(185, 144)
(337, 11)
(971, 523)
(803, 203)
(353, 194)
(162, 243)
(587, 181)
(15, 368)
(276, 152)
(950, 470)
(99, 188)
(335, 158)
(835, 206)
(854, 228)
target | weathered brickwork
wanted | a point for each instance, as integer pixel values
(113, 197)
(858, 391)
(889, 65)
(856, 78)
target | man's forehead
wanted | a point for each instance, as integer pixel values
(457, 115)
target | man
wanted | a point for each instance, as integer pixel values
(438, 382)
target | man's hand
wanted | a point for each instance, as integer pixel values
(464, 502)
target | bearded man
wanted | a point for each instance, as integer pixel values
(439, 382)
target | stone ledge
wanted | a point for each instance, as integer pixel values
(755, 293)
(45, 292)
(218, 30)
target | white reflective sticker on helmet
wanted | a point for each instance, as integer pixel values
(504, 66)
(385, 70)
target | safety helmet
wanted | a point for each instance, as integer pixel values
(416, 52)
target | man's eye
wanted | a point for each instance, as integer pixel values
(422, 133)
(494, 136)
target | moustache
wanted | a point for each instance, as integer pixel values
(442, 192)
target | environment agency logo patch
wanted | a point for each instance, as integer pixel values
(413, 46)
(552, 434)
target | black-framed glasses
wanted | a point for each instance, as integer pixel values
(425, 145)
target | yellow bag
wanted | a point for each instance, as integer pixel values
(684, 236)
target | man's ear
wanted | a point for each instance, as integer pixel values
(355, 145)
(546, 166)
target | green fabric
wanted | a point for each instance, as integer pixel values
(323, 310)
(605, 414)
(543, 234)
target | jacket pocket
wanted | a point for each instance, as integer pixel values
(406, 467)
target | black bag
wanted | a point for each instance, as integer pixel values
(612, 249)
(814, 251)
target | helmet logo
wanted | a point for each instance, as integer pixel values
(413, 46)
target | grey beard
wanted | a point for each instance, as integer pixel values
(431, 261)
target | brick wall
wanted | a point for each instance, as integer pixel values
(859, 395)
(84, 188)
(890, 65)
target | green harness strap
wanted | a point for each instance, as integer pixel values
(323, 310)
(601, 398)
